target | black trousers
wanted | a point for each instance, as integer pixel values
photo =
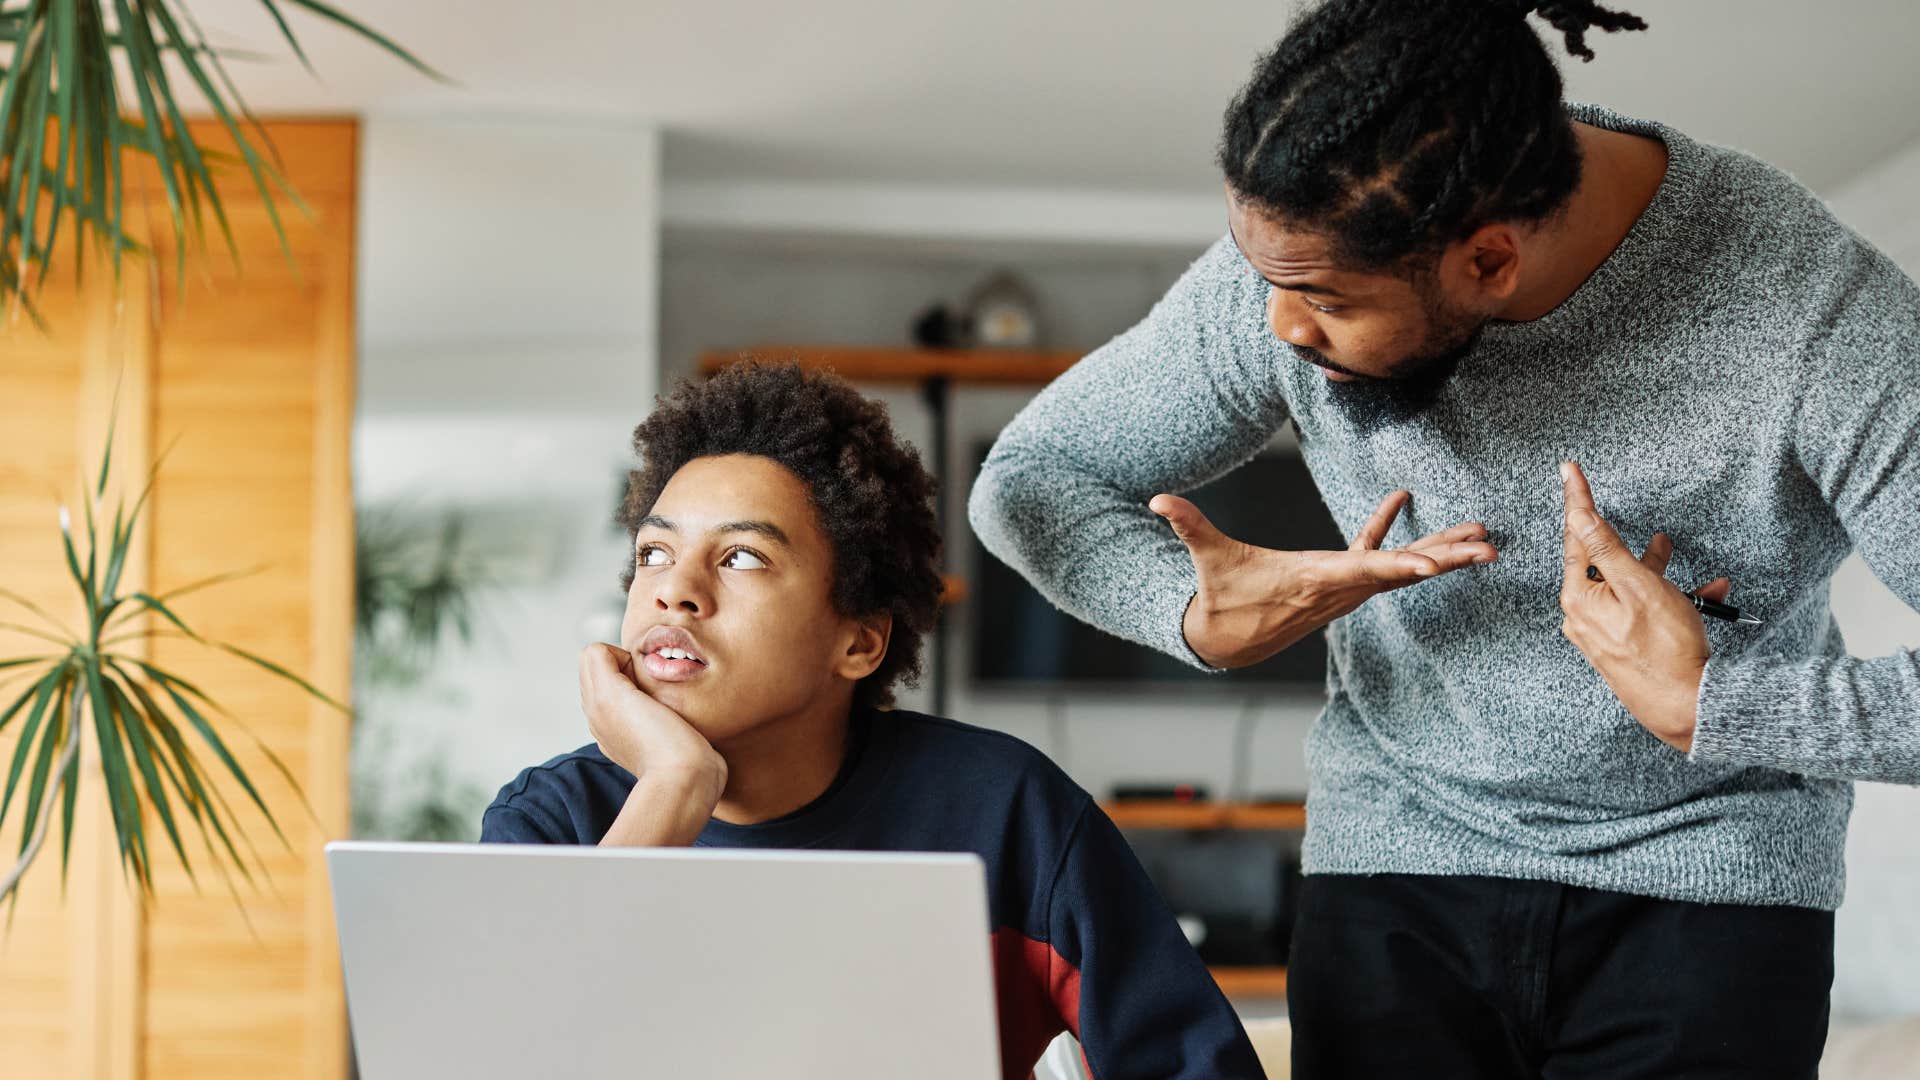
(1415, 976)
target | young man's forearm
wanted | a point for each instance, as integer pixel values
(664, 810)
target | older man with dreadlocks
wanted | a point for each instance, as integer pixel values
(1557, 825)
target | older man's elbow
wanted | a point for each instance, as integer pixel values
(990, 510)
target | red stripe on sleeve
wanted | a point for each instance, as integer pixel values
(1038, 994)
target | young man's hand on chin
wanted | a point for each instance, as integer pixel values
(680, 775)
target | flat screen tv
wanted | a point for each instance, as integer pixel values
(1019, 640)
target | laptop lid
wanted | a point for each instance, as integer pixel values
(503, 961)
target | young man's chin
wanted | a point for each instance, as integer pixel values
(684, 699)
(700, 706)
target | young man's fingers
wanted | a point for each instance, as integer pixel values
(597, 666)
(607, 672)
(598, 658)
(1374, 532)
(627, 663)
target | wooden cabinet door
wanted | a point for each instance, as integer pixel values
(250, 368)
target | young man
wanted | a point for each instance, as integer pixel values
(785, 572)
(1558, 825)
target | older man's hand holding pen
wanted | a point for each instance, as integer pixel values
(1641, 633)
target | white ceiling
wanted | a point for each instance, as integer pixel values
(1122, 94)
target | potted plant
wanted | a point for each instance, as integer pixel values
(149, 724)
(85, 84)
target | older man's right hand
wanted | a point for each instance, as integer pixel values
(1252, 602)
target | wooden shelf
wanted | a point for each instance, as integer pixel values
(1251, 981)
(1004, 367)
(1152, 814)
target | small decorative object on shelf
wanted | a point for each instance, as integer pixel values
(1003, 314)
(940, 327)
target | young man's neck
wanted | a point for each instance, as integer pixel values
(1619, 175)
(784, 764)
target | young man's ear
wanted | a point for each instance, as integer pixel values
(866, 647)
(1488, 262)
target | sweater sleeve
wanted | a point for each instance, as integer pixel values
(1181, 398)
(1137, 996)
(1857, 435)
(504, 823)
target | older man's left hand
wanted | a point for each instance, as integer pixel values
(1638, 630)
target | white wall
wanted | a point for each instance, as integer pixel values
(509, 318)
(1878, 929)
(507, 261)
(896, 212)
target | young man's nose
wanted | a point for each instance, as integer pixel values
(1289, 319)
(682, 590)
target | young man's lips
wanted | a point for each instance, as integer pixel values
(669, 670)
(670, 654)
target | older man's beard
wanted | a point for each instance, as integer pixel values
(1414, 386)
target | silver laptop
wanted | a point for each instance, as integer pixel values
(489, 962)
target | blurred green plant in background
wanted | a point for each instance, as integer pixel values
(415, 581)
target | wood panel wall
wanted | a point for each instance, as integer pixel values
(251, 368)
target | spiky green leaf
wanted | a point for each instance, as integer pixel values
(70, 795)
(48, 691)
(134, 727)
(80, 578)
(128, 824)
(149, 603)
(14, 597)
(173, 687)
(333, 14)
(276, 669)
(52, 740)
(188, 764)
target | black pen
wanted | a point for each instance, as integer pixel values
(1722, 611)
(1704, 606)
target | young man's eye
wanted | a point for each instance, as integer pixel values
(1326, 309)
(742, 559)
(651, 556)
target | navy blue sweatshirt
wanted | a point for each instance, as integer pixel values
(1081, 941)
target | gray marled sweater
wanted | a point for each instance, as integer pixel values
(1742, 373)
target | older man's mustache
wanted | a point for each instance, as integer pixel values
(1312, 356)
